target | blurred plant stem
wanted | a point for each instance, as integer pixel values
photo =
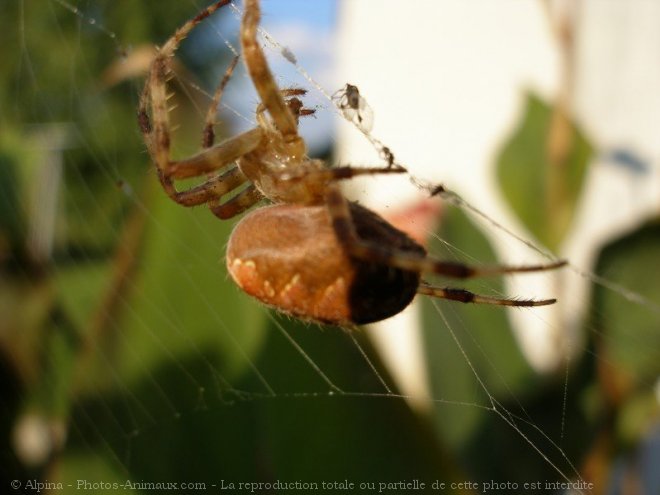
(123, 267)
(562, 17)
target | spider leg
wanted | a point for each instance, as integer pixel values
(289, 92)
(358, 248)
(211, 189)
(216, 157)
(157, 137)
(465, 296)
(263, 79)
(238, 204)
(156, 133)
(348, 172)
(207, 161)
(329, 175)
(293, 102)
(208, 135)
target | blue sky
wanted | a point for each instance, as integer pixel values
(319, 13)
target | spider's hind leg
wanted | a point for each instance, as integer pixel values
(465, 296)
(361, 249)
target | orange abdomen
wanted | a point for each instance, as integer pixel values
(289, 257)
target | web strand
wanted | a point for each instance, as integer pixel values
(138, 412)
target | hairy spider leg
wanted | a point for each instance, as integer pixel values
(294, 104)
(250, 195)
(209, 160)
(264, 82)
(155, 91)
(334, 174)
(212, 158)
(345, 230)
(209, 190)
(237, 204)
(208, 135)
(216, 157)
(465, 296)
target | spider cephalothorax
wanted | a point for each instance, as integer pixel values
(313, 254)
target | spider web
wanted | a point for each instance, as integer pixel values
(129, 355)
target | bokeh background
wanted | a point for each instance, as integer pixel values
(127, 354)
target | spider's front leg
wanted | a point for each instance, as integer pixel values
(264, 82)
(154, 123)
(346, 233)
(156, 130)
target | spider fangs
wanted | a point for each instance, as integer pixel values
(313, 254)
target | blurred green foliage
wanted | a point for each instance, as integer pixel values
(477, 339)
(627, 335)
(130, 337)
(540, 184)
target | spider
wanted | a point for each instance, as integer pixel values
(311, 253)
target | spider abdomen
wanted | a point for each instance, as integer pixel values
(289, 257)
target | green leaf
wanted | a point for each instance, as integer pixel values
(627, 336)
(629, 329)
(543, 190)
